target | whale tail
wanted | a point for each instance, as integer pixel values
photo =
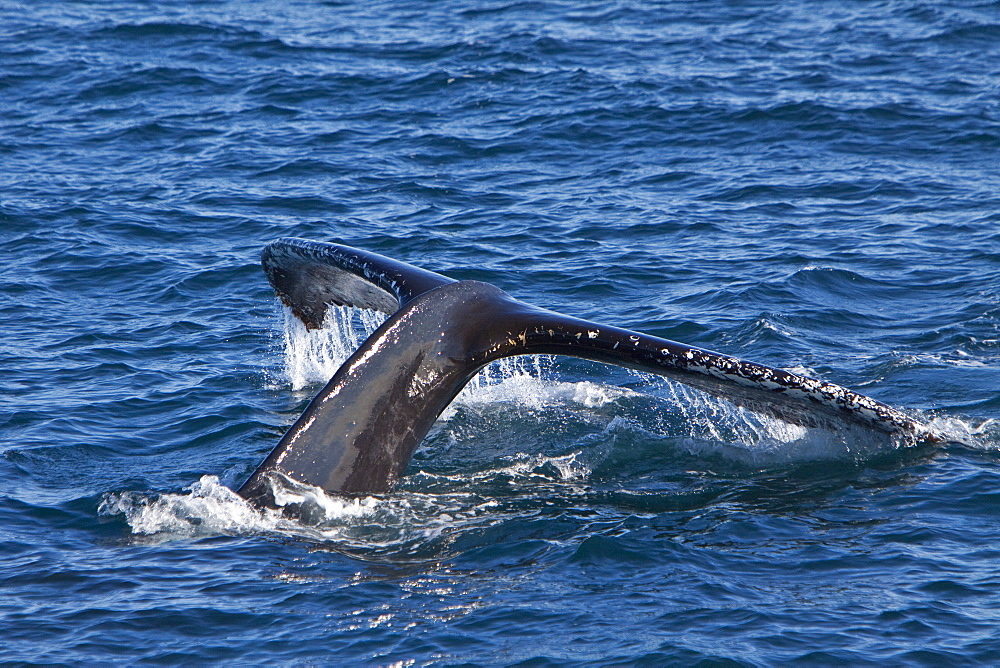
(359, 433)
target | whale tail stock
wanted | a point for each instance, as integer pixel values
(359, 433)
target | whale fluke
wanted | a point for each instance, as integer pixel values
(359, 433)
(308, 276)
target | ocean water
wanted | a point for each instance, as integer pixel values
(812, 185)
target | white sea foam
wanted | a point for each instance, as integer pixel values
(565, 468)
(531, 382)
(980, 434)
(210, 508)
(207, 507)
(958, 358)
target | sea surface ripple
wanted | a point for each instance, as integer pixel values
(811, 185)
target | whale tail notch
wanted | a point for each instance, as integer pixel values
(359, 433)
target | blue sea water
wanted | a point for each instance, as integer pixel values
(812, 185)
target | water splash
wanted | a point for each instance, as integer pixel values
(407, 521)
(522, 379)
(313, 356)
(210, 508)
(703, 424)
(976, 434)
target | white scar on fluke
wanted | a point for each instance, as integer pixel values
(359, 433)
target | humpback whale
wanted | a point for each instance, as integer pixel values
(358, 434)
